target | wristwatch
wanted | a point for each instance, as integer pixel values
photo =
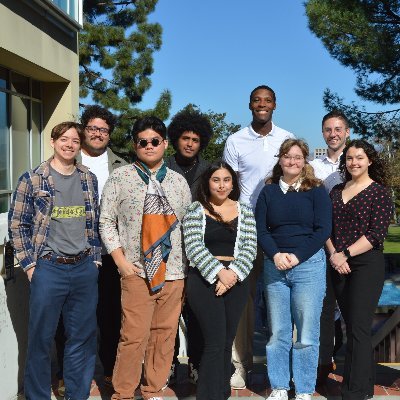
(346, 252)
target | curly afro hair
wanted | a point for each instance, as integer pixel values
(96, 111)
(190, 121)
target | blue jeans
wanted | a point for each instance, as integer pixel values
(70, 289)
(294, 296)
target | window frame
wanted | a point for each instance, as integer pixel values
(29, 130)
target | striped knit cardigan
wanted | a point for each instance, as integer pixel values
(245, 251)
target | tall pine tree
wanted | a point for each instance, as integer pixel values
(116, 49)
(365, 36)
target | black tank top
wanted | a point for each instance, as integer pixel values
(219, 238)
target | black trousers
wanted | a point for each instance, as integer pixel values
(109, 313)
(194, 338)
(60, 340)
(327, 321)
(358, 295)
(218, 318)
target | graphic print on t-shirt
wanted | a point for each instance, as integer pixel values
(68, 218)
(68, 212)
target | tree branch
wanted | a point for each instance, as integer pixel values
(391, 13)
(119, 3)
(380, 112)
(97, 76)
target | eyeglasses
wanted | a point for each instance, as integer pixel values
(94, 129)
(144, 142)
(286, 157)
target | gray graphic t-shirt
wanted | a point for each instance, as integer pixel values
(68, 219)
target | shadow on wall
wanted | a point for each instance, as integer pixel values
(14, 313)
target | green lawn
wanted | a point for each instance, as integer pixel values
(392, 242)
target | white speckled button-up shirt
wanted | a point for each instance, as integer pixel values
(121, 214)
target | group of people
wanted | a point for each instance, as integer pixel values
(181, 236)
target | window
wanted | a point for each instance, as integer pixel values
(71, 7)
(20, 130)
(5, 154)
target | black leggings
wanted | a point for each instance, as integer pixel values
(358, 294)
(218, 317)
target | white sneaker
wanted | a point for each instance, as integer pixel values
(278, 394)
(155, 398)
(303, 396)
(238, 379)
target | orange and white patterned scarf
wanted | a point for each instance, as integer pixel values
(158, 221)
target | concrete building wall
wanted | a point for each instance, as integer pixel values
(41, 42)
(32, 44)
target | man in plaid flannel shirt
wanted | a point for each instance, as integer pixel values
(53, 226)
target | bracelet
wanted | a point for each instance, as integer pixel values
(346, 252)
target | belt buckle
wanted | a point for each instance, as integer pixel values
(67, 260)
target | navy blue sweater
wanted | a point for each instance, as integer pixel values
(295, 222)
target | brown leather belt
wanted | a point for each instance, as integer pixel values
(67, 259)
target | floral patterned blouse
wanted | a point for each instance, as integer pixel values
(367, 213)
(121, 214)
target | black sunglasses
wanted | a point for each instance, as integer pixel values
(144, 142)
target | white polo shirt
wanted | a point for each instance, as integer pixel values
(253, 157)
(327, 170)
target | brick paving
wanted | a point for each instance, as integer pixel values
(387, 386)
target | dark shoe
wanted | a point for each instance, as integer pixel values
(108, 381)
(61, 387)
(323, 372)
(172, 378)
(193, 374)
(173, 374)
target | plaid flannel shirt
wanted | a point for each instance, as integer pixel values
(31, 207)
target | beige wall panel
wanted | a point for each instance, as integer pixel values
(60, 104)
(42, 46)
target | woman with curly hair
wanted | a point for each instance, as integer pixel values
(362, 209)
(221, 244)
(293, 216)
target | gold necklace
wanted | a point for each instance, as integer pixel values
(186, 172)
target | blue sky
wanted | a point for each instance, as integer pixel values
(215, 52)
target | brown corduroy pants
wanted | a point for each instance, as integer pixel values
(149, 326)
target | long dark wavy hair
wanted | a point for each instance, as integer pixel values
(308, 179)
(377, 171)
(203, 191)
